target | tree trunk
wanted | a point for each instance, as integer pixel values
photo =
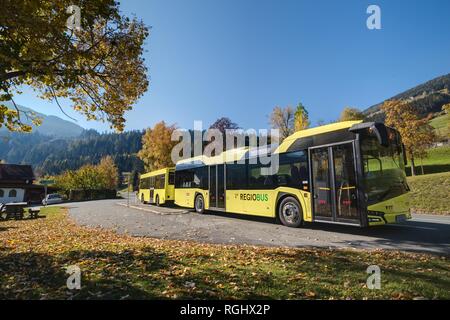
(413, 171)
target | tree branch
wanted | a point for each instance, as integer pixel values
(57, 102)
(9, 75)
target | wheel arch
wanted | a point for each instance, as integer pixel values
(283, 195)
(197, 194)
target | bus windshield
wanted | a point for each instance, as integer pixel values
(384, 168)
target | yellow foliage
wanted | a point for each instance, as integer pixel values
(417, 135)
(157, 146)
(349, 114)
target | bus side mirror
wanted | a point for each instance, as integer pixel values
(381, 133)
(376, 128)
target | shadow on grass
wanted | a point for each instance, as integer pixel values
(2, 229)
(341, 266)
(130, 274)
(104, 275)
(428, 169)
(25, 218)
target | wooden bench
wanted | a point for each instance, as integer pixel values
(15, 210)
(34, 212)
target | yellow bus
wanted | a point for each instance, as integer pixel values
(157, 187)
(350, 173)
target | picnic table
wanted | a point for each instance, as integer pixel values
(16, 210)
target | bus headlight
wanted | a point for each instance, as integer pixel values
(375, 213)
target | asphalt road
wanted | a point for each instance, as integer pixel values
(424, 233)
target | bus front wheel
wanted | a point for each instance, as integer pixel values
(290, 212)
(199, 204)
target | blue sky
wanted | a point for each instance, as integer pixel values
(241, 58)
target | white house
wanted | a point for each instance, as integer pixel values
(8, 195)
(15, 180)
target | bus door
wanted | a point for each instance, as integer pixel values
(152, 189)
(217, 187)
(334, 184)
(152, 195)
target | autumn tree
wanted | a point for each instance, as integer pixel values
(223, 124)
(283, 120)
(103, 176)
(87, 178)
(350, 113)
(157, 146)
(108, 173)
(301, 118)
(446, 108)
(91, 57)
(417, 135)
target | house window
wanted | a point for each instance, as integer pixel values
(12, 193)
(2, 193)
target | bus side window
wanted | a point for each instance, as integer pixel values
(171, 178)
(160, 181)
(236, 176)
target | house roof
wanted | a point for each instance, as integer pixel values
(15, 172)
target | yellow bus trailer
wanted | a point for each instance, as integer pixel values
(157, 187)
(349, 173)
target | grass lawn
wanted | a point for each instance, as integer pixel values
(441, 124)
(436, 156)
(438, 160)
(34, 254)
(430, 193)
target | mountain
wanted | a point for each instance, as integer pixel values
(59, 145)
(49, 155)
(427, 98)
(51, 125)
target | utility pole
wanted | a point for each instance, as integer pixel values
(127, 176)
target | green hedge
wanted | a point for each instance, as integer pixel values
(81, 195)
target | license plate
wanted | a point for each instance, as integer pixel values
(400, 218)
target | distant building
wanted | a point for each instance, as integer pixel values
(14, 181)
(16, 184)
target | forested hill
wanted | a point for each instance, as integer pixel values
(51, 125)
(426, 98)
(49, 155)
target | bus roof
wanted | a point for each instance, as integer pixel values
(240, 153)
(156, 172)
(226, 156)
(284, 146)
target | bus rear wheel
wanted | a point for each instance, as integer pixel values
(199, 204)
(142, 199)
(290, 212)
